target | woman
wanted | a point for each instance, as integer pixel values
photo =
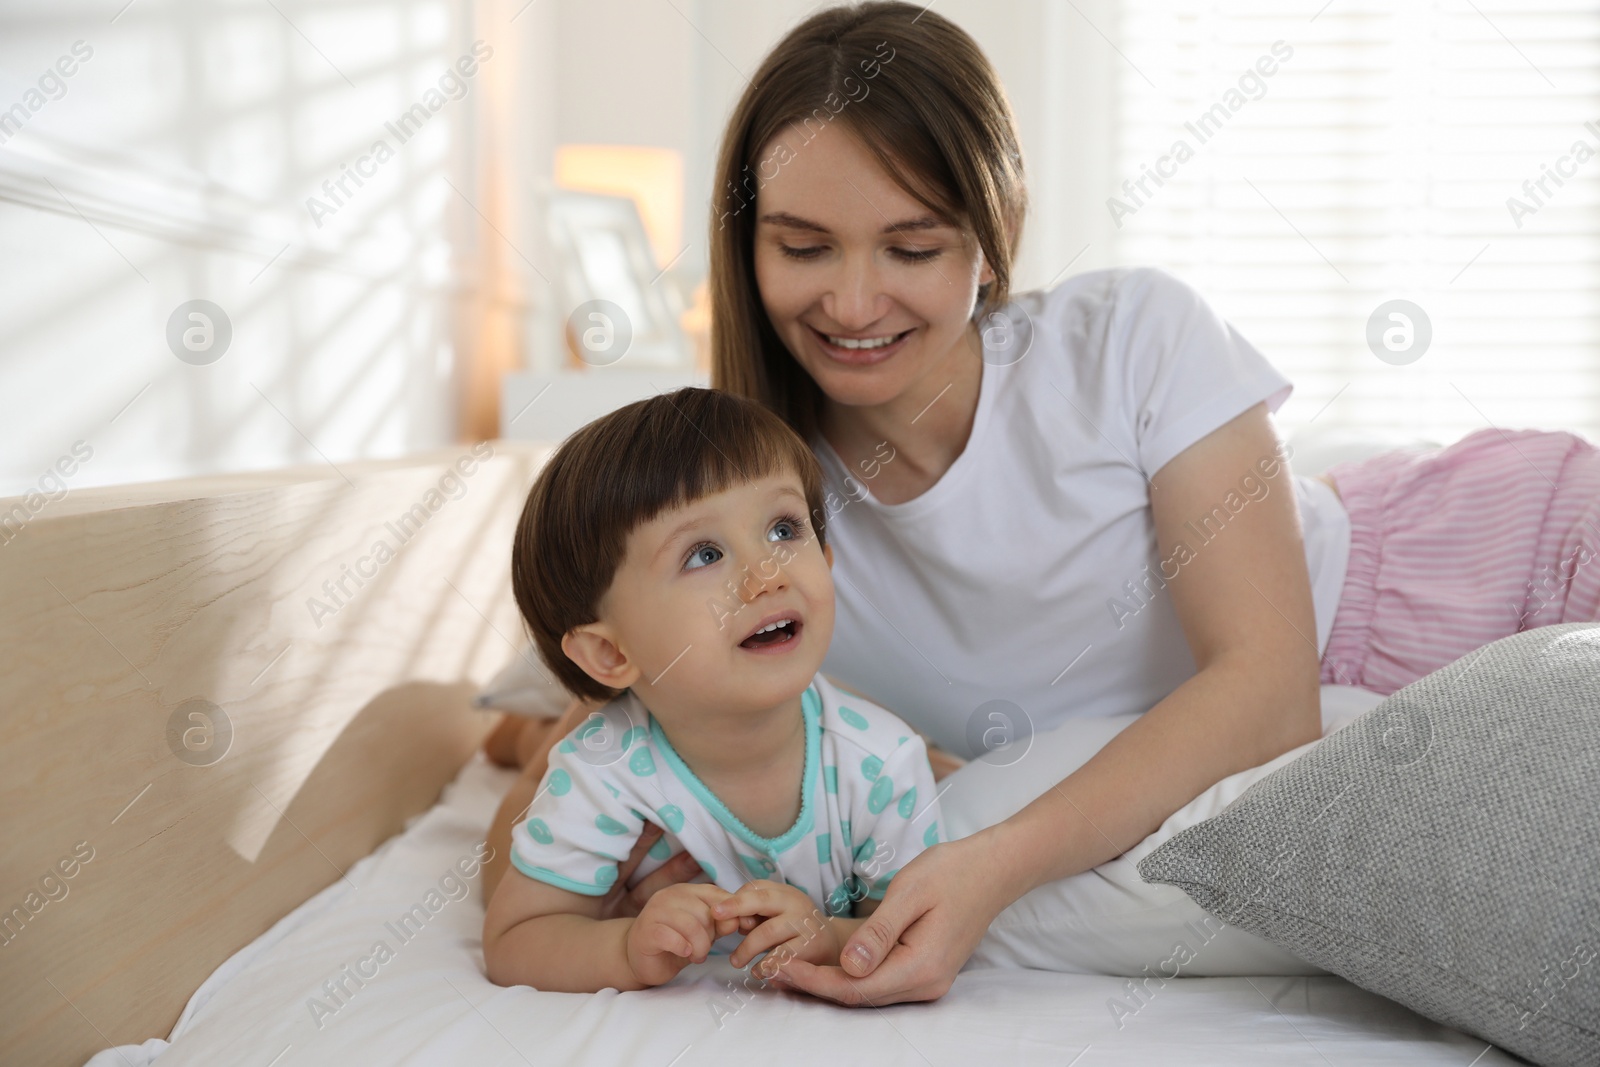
(1071, 503)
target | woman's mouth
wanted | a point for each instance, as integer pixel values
(778, 637)
(860, 351)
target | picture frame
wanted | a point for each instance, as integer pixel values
(616, 307)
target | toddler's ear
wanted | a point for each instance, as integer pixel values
(593, 648)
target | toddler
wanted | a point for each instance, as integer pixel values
(671, 560)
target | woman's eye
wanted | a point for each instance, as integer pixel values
(801, 253)
(916, 255)
(703, 556)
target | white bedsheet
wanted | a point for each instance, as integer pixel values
(431, 1004)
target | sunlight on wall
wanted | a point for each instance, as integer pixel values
(305, 169)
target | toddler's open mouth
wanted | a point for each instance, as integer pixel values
(773, 634)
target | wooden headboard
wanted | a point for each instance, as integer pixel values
(218, 694)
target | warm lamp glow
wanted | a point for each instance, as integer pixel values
(653, 177)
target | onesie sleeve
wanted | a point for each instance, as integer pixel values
(896, 818)
(580, 825)
(1185, 370)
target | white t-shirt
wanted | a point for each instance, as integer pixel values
(1025, 586)
(868, 805)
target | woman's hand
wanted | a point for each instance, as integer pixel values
(934, 914)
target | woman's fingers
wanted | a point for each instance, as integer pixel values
(833, 984)
(881, 931)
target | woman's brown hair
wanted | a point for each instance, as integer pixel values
(920, 95)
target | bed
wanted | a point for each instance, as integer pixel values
(252, 743)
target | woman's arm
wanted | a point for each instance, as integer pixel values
(1244, 601)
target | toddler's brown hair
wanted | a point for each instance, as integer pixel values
(621, 471)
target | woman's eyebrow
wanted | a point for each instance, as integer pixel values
(795, 222)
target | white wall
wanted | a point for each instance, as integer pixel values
(176, 163)
(193, 135)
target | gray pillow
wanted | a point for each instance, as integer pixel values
(1443, 850)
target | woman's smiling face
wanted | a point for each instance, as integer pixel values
(843, 254)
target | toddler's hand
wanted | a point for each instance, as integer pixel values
(794, 927)
(676, 928)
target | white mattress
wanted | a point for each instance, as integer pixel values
(431, 1004)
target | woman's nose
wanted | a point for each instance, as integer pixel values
(855, 299)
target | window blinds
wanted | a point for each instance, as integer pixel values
(1303, 169)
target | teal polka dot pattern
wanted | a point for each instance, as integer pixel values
(854, 772)
(864, 853)
(882, 790)
(759, 866)
(641, 763)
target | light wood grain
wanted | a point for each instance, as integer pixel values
(119, 605)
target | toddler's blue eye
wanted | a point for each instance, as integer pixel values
(703, 556)
(785, 530)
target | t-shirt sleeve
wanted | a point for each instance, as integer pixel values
(1185, 370)
(579, 826)
(896, 818)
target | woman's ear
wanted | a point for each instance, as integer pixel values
(593, 647)
(827, 554)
